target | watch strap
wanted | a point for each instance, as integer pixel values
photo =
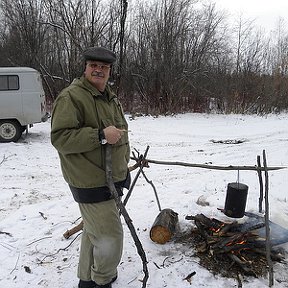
(102, 138)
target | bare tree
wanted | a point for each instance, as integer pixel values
(173, 55)
(23, 35)
(172, 48)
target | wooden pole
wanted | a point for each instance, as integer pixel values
(267, 228)
(154, 189)
(259, 172)
(213, 167)
(124, 212)
(136, 177)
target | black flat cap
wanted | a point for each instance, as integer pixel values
(99, 54)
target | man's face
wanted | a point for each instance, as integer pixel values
(97, 73)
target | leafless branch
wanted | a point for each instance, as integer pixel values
(48, 237)
(60, 249)
(267, 227)
(125, 214)
(6, 233)
(137, 175)
(261, 185)
(15, 264)
(3, 160)
(213, 167)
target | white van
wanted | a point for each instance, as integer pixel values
(22, 101)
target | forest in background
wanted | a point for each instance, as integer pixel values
(174, 56)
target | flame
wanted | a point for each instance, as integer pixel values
(217, 230)
(236, 243)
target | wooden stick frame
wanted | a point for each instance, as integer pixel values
(258, 168)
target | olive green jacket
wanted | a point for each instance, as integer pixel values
(79, 112)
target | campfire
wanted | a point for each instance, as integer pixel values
(247, 247)
(233, 249)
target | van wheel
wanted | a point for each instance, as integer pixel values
(10, 131)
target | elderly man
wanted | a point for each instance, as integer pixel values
(85, 117)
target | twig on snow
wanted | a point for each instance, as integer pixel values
(6, 233)
(3, 160)
(42, 215)
(15, 264)
(188, 278)
(48, 237)
(60, 249)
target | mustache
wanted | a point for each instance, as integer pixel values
(98, 74)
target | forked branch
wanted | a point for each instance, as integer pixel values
(125, 214)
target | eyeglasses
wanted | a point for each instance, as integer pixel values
(102, 67)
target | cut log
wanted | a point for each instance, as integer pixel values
(74, 230)
(164, 226)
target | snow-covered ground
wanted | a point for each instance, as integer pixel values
(36, 206)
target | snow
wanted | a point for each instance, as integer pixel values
(31, 182)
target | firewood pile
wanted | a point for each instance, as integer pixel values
(230, 249)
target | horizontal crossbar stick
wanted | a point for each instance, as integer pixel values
(215, 167)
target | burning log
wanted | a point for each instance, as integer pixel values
(164, 226)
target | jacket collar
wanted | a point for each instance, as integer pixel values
(94, 91)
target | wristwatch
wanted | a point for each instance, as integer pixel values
(102, 138)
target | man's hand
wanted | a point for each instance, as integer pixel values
(113, 134)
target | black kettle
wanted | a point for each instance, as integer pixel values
(236, 198)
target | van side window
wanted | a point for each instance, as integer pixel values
(9, 82)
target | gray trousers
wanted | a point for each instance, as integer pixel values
(101, 243)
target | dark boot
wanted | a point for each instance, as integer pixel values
(92, 284)
(87, 284)
(104, 286)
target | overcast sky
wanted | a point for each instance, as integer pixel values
(265, 12)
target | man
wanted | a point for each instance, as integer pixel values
(86, 117)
